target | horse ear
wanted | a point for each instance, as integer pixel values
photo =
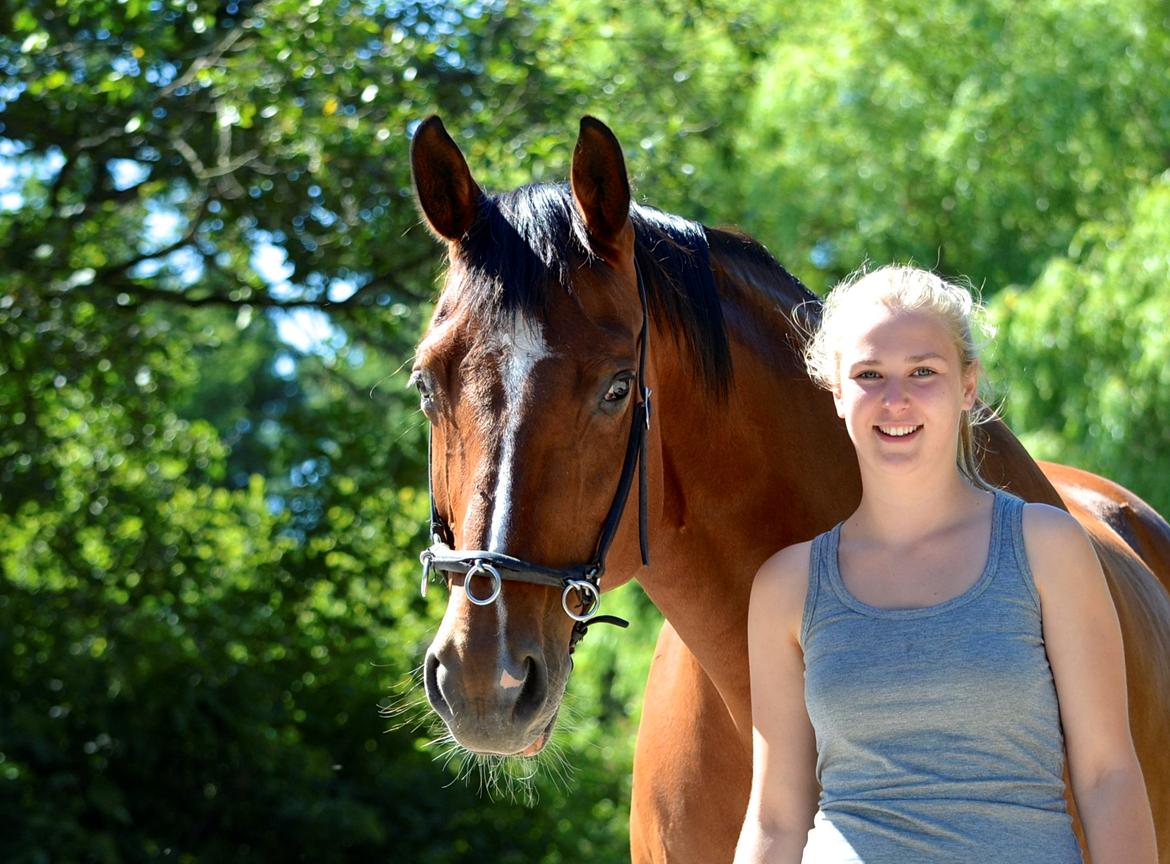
(601, 187)
(447, 193)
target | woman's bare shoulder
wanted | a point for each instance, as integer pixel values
(781, 583)
(1059, 550)
(1049, 523)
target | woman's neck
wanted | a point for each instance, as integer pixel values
(902, 510)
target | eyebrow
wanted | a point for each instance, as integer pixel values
(913, 358)
(918, 358)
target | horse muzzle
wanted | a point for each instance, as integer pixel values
(494, 704)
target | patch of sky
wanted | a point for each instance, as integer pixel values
(284, 366)
(162, 74)
(341, 290)
(822, 254)
(16, 169)
(127, 172)
(10, 91)
(163, 224)
(125, 66)
(9, 198)
(185, 264)
(310, 472)
(323, 216)
(271, 264)
(442, 24)
(309, 331)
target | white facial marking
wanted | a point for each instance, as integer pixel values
(508, 681)
(524, 347)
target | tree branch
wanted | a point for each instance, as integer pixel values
(143, 294)
(360, 392)
(87, 207)
(106, 272)
(201, 63)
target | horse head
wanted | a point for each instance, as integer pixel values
(530, 375)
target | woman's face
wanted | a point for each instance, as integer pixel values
(901, 388)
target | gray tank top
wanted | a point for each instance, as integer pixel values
(937, 729)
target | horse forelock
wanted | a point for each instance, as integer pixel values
(530, 243)
(523, 246)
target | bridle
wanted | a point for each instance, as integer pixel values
(585, 579)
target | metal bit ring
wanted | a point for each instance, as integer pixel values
(482, 568)
(427, 558)
(590, 596)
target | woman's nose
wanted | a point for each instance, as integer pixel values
(894, 393)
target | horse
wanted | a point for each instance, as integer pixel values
(579, 339)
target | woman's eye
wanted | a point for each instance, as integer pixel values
(922, 372)
(619, 388)
(867, 375)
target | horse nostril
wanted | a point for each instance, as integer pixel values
(434, 690)
(533, 693)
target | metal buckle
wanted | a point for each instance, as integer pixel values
(646, 391)
(427, 558)
(482, 568)
(590, 595)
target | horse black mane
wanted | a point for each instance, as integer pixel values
(527, 242)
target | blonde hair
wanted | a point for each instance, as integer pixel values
(901, 287)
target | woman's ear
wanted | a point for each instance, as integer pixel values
(971, 384)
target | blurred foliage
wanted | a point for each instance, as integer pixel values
(971, 135)
(209, 522)
(1085, 351)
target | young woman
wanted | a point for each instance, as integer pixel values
(927, 662)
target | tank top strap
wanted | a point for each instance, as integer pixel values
(821, 559)
(1013, 553)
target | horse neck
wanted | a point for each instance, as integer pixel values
(743, 477)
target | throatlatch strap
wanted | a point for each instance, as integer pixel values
(614, 517)
(440, 532)
(643, 531)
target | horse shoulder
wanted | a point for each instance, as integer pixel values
(1092, 498)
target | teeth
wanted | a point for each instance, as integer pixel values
(897, 431)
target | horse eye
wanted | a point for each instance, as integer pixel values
(419, 383)
(619, 388)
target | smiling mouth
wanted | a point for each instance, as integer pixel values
(897, 433)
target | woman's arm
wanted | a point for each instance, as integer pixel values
(1083, 640)
(784, 790)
